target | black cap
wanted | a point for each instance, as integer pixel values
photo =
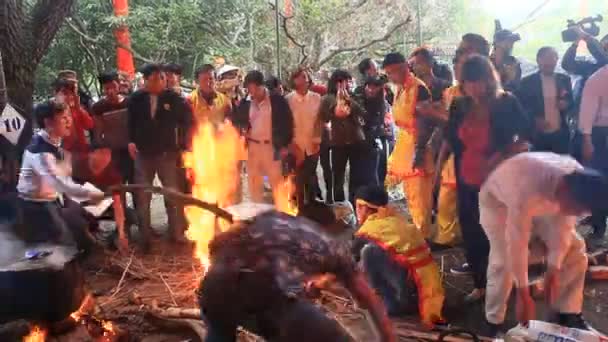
(374, 80)
(254, 76)
(503, 35)
(393, 58)
(589, 188)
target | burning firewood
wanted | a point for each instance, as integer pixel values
(176, 196)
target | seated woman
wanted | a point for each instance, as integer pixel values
(44, 215)
(396, 258)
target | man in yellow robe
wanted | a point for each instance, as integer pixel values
(396, 258)
(412, 159)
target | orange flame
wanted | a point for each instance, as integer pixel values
(284, 197)
(37, 334)
(213, 162)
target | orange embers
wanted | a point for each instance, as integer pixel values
(213, 164)
(37, 334)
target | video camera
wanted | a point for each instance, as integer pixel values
(588, 25)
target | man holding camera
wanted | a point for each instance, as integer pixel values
(583, 68)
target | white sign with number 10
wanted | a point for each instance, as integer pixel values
(11, 124)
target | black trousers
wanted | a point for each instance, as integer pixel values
(307, 184)
(325, 160)
(231, 298)
(383, 160)
(556, 142)
(363, 159)
(39, 222)
(476, 244)
(599, 137)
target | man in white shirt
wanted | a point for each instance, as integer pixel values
(533, 199)
(593, 124)
(44, 215)
(304, 105)
(267, 123)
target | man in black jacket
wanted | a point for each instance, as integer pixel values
(156, 116)
(267, 123)
(547, 97)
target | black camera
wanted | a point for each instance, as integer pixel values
(588, 25)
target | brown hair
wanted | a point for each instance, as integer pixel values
(480, 68)
(296, 73)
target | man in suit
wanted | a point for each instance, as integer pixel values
(268, 125)
(547, 97)
(156, 115)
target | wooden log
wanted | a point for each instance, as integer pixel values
(48, 289)
(175, 195)
(178, 323)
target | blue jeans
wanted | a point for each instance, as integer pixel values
(389, 279)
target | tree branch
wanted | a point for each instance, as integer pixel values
(81, 33)
(47, 18)
(385, 37)
(290, 36)
(90, 39)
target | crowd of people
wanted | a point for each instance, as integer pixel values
(486, 158)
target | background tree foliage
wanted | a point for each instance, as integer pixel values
(320, 34)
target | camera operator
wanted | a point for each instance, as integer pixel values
(598, 49)
(506, 64)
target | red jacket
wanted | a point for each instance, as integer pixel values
(81, 121)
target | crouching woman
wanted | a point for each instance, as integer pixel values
(396, 258)
(44, 213)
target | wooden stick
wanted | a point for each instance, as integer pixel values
(169, 288)
(172, 323)
(122, 278)
(176, 195)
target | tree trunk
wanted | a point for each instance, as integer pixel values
(26, 32)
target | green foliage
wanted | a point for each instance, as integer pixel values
(192, 32)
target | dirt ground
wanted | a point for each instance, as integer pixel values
(169, 276)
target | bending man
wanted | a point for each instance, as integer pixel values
(533, 199)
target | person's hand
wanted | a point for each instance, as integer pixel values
(551, 285)
(525, 310)
(587, 148)
(133, 150)
(284, 152)
(562, 105)
(582, 35)
(542, 124)
(342, 110)
(96, 196)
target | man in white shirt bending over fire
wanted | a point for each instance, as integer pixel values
(528, 209)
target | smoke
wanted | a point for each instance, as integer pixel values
(11, 248)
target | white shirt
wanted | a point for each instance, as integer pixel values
(526, 185)
(552, 116)
(153, 105)
(260, 115)
(43, 177)
(305, 109)
(594, 106)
